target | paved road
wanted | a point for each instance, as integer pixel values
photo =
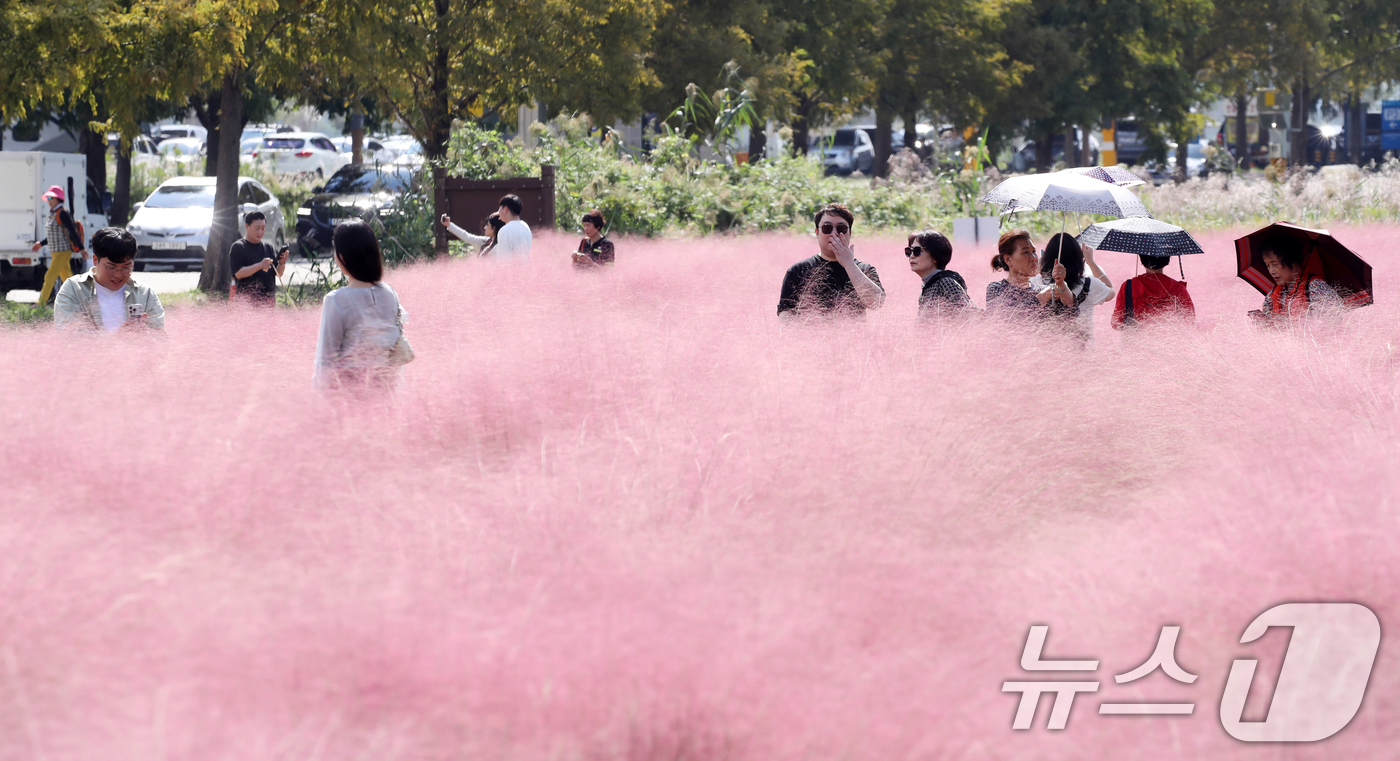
(169, 281)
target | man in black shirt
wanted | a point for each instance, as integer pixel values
(831, 281)
(253, 262)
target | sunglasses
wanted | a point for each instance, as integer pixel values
(914, 251)
(827, 227)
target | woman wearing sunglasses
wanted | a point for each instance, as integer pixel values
(595, 250)
(1015, 296)
(945, 292)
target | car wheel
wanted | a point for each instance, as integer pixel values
(319, 173)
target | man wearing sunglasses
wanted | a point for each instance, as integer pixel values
(833, 281)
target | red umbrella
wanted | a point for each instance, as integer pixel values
(1323, 256)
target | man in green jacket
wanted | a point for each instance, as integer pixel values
(106, 298)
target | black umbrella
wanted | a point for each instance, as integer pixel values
(1138, 235)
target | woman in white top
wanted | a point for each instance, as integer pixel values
(483, 243)
(361, 343)
(1086, 290)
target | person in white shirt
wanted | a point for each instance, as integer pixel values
(1085, 291)
(483, 243)
(515, 238)
(106, 298)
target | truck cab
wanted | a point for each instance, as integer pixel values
(24, 176)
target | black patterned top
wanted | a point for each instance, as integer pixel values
(1005, 298)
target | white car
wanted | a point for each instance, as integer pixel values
(375, 151)
(172, 225)
(300, 153)
(181, 150)
(144, 152)
(167, 131)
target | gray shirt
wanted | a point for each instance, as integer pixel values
(359, 327)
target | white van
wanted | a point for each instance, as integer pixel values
(24, 177)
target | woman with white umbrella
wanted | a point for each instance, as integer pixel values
(1016, 296)
(1086, 292)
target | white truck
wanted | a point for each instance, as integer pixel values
(24, 176)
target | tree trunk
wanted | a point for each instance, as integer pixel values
(1182, 155)
(801, 129)
(215, 275)
(121, 189)
(1071, 152)
(1242, 158)
(758, 142)
(1356, 137)
(440, 119)
(206, 110)
(357, 133)
(1298, 130)
(1044, 151)
(94, 146)
(884, 124)
(911, 131)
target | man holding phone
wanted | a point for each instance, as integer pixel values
(105, 297)
(832, 281)
(255, 265)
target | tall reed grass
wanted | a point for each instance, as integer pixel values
(633, 516)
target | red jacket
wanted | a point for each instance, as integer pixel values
(1154, 297)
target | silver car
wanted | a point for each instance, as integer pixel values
(848, 150)
(172, 226)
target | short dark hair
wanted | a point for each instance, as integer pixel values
(595, 217)
(512, 202)
(495, 221)
(252, 217)
(1287, 251)
(113, 244)
(1006, 246)
(937, 245)
(359, 251)
(835, 209)
(1154, 262)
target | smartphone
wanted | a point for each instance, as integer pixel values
(135, 311)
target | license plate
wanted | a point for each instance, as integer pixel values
(168, 245)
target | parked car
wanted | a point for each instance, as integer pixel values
(300, 153)
(172, 225)
(1130, 141)
(144, 152)
(374, 149)
(353, 192)
(848, 150)
(1195, 159)
(896, 137)
(1024, 159)
(167, 131)
(181, 150)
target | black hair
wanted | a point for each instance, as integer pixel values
(835, 209)
(512, 202)
(252, 217)
(1154, 262)
(358, 250)
(595, 218)
(113, 244)
(1064, 247)
(937, 246)
(1286, 249)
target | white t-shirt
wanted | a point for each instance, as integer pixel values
(1098, 294)
(514, 239)
(113, 306)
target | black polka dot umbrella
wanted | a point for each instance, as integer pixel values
(1139, 235)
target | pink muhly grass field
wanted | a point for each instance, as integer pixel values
(631, 516)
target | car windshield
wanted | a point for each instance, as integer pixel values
(359, 179)
(1195, 150)
(844, 137)
(182, 197)
(283, 142)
